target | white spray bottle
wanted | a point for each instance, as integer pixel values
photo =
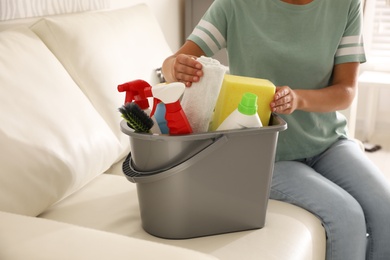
(170, 94)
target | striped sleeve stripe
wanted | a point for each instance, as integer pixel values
(350, 45)
(351, 40)
(357, 50)
(207, 26)
(207, 39)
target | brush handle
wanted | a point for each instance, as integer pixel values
(177, 121)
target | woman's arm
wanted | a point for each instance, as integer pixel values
(182, 66)
(337, 96)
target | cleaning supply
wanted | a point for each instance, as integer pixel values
(159, 115)
(170, 94)
(136, 118)
(245, 116)
(135, 92)
(233, 87)
(139, 91)
(199, 100)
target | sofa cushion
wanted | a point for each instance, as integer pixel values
(52, 139)
(104, 49)
(110, 203)
(25, 237)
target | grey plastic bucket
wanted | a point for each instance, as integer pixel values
(223, 187)
(160, 152)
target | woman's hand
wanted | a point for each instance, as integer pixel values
(186, 69)
(285, 100)
(183, 66)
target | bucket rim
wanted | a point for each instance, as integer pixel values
(277, 125)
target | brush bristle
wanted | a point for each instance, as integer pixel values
(136, 118)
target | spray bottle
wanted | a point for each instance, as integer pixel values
(159, 115)
(169, 94)
(135, 92)
(245, 116)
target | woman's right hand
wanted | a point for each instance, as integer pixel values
(183, 66)
(187, 69)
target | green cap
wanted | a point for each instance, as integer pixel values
(248, 104)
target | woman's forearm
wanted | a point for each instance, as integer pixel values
(337, 96)
(328, 99)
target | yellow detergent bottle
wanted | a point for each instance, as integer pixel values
(232, 90)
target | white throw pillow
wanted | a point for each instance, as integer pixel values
(104, 49)
(52, 139)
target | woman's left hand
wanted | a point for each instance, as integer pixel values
(285, 100)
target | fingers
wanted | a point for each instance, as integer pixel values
(284, 101)
(187, 69)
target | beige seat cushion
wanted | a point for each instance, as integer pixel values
(110, 203)
(33, 238)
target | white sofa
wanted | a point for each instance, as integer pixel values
(62, 191)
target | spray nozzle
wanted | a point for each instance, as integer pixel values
(137, 91)
(165, 93)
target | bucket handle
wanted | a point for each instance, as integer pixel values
(141, 177)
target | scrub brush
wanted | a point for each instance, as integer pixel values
(136, 118)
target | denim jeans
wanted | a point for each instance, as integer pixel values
(347, 192)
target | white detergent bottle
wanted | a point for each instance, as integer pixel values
(245, 116)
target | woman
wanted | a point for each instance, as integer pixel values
(311, 49)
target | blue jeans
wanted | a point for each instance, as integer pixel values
(347, 192)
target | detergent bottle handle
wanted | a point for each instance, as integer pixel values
(177, 121)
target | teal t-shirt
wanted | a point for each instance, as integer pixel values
(293, 45)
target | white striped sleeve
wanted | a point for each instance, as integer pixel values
(207, 26)
(350, 49)
(207, 35)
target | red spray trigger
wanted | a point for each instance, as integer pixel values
(136, 91)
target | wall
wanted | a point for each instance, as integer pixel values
(383, 109)
(370, 14)
(169, 13)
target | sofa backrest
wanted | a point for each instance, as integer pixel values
(52, 139)
(58, 105)
(104, 49)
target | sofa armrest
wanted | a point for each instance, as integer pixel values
(22, 237)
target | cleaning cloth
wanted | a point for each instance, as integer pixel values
(198, 101)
